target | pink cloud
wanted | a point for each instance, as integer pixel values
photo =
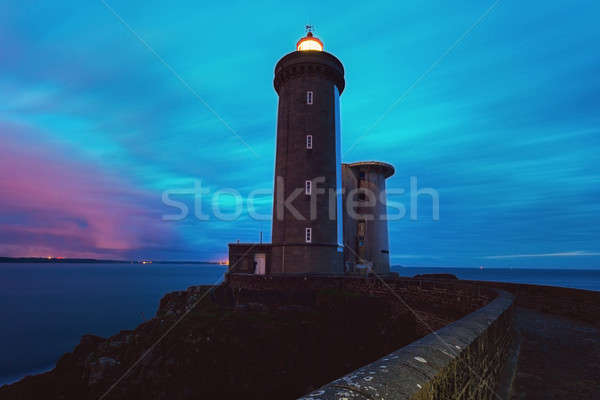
(53, 204)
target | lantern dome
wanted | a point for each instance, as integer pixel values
(309, 43)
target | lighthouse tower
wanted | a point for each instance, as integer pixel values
(314, 229)
(307, 212)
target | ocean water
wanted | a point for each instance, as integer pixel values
(572, 278)
(45, 308)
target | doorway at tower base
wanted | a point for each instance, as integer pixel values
(362, 269)
(250, 258)
(366, 227)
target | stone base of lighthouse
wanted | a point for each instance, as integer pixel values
(303, 258)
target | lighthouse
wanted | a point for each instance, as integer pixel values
(307, 231)
(313, 229)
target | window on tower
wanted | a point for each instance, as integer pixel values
(309, 97)
(308, 187)
(308, 235)
(309, 142)
(361, 230)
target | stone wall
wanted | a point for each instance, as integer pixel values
(461, 360)
(434, 303)
(577, 304)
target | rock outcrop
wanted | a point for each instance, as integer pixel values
(203, 342)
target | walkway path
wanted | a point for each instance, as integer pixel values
(559, 358)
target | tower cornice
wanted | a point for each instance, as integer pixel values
(300, 63)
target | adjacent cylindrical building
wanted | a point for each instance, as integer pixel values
(307, 230)
(365, 225)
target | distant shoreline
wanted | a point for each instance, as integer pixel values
(93, 261)
(14, 378)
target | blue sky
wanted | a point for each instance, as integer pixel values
(94, 127)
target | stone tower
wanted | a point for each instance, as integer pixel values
(366, 232)
(307, 220)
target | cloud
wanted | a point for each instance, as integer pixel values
(408, 256)
(564, 254)
(53, 204)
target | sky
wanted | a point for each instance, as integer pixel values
(106, 106)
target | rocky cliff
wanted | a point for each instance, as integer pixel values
(227, 348)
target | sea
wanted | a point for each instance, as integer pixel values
(45, 308)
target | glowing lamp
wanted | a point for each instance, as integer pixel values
(309, 43)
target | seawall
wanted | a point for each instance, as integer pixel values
(461, 360)
(476, 356)
(435, 303)
(577, 304)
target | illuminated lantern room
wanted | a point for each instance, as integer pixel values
(309, 43)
